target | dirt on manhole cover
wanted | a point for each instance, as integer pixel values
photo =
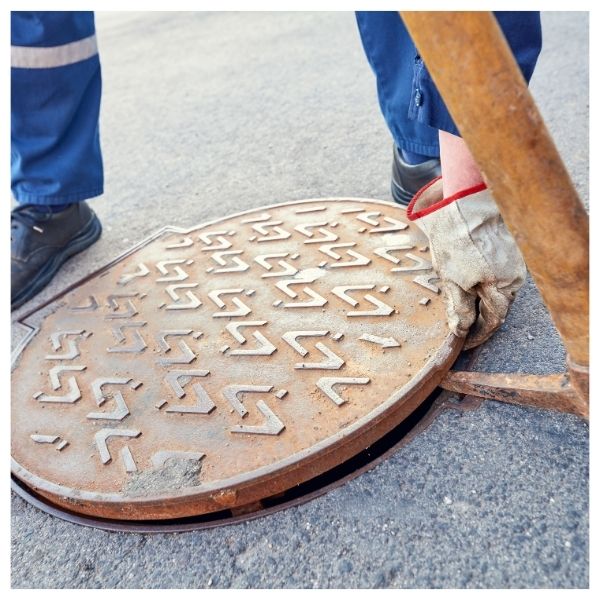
(211, 368)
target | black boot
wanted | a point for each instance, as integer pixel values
(41, 241)
(408, 179)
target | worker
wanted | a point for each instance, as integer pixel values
(57, 163)
(477, 259)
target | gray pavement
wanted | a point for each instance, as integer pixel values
(208, 114)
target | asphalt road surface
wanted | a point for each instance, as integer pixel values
(208, 114)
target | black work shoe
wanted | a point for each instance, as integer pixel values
(41, 241)
(408, 179)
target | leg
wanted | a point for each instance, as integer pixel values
(55, 105)
(55, 148)
(391, 54)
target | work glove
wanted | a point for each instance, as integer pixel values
(475, 256)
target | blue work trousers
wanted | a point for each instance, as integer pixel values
(410, 102)
(55, 106)
(56, 88)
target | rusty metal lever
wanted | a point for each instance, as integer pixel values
(542, 391)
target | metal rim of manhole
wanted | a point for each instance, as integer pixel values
(211, 368)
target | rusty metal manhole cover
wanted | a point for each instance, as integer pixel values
(211, 368)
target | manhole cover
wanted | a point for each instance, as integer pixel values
(211, 368)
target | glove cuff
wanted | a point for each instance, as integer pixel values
(431, 198)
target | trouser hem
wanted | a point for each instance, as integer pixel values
(30, 198)
(425, 149)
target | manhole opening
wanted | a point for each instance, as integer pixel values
(304, 492)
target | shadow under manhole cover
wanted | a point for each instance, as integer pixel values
(210, 369)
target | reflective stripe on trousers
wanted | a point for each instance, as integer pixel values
(33, 57)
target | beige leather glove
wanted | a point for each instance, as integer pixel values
(474, 255)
